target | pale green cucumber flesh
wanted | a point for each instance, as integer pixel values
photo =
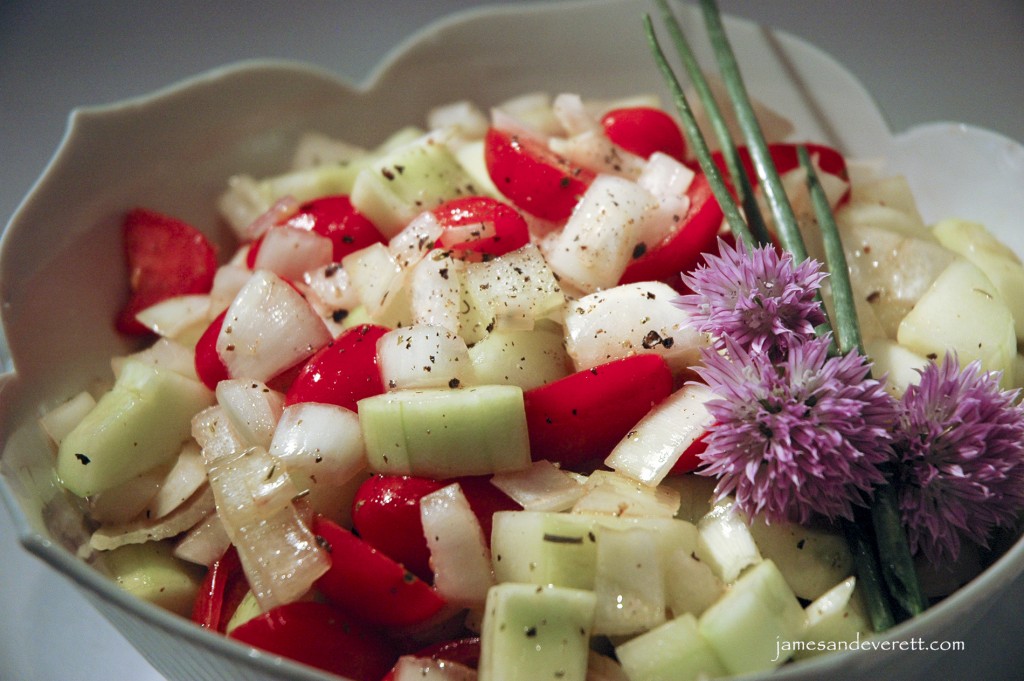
(151, 572)
(674, 651)
(446, 432)
(535, 633)
(139, 423)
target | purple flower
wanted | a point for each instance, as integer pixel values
(960, 458)
(802, 436)
(764, 301)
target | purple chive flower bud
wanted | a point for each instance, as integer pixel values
(763, 300)
(959, 445)
(802, 436)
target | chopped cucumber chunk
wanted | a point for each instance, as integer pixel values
(674, 651)
(446, 433)
(536, 633)
(151, 572)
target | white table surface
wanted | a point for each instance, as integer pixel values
(922, 60)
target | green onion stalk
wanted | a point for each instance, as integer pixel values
(879, 544)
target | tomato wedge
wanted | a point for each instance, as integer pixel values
(683, 249)
(166, 257)
(480, 227)
(369, 585)
(222, 590)
(386, 513)
(210, 367)
(333, 217)
(532, 177)
(583, 416)
(643, 130)
(322, 636)
(342, 372)
(464, 651)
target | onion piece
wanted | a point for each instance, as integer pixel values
(186, 476)
(412, 668)
(227, 282)
(279, 211)
(458, 550)
(126, 502)
(515, 289)
(423, 356)
(163, 354)
(435, 289)
(653, 446)
(252, 408)
(465, 118)
(541, 487)
(63, 418)
(724, 541)
(379, 281)
(415, 240)
(176, 316)
(279, 554)
(217, 439)
(289, 252)
(204, 543)
(321, 446)
(269, 327)
(186, 516)
(610, 493)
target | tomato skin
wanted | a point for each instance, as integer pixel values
(689, 460)
(166, 257)
(386, 513)
(532, 177)
(322, 636)
(222, 590)
(644, 130)
(464, 651)
(342, 372)
(480, 227)
(583, 416)
(210, 367)
(369, 585)
(333, 217)
(682, 250)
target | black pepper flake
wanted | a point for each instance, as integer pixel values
(874, 296)
(800, 544)
(530, 631)
(564, 183)
(339, 315)
(454, 383)
(639, 250)
(387, 173)
(562, 539)
(83, 458)
(651, 340)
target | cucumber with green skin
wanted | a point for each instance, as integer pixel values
(535, 633)
(445, 433)
(140, 423)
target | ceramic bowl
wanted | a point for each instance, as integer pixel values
(61, 274)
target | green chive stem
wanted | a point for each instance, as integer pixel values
(894, 552)
(869, 576)
(696, 140)
(768, 176)
(740, 180)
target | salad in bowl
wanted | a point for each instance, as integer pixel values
(511, 393)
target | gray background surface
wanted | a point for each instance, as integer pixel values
(923, 60)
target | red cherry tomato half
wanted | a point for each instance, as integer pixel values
(689, 460)
(644, 130)
(583, 416)
(342, 372)
(322, 636)
(333, 217)
(222, 590)
(368, 584)
(532, 177)
(480, 227)
(683, 249)
(166, 257)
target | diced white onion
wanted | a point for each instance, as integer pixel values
(667, 180)
(379, 282)
(609, 493)
(435, 289)
(269, 327)
(541, 487)
(653, 446)
(289, 252)
(321, 445)
(592, 149)
(212, 429)
(464, 117)
(227, 282)
(141, 530)
(279, 211)
(163, 354)
(204, 543)
(125, 502)
(423, 356)
(411, 668)
(597, 242)
(186, 476)
(415, 240)
(174, 316)
(831, 602)
(515, 289)
(252, 408)
(628, 320)
(458, 550)
(63, 418)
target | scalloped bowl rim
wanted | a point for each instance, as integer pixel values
(994, 578)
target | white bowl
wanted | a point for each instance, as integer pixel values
(61, 275)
